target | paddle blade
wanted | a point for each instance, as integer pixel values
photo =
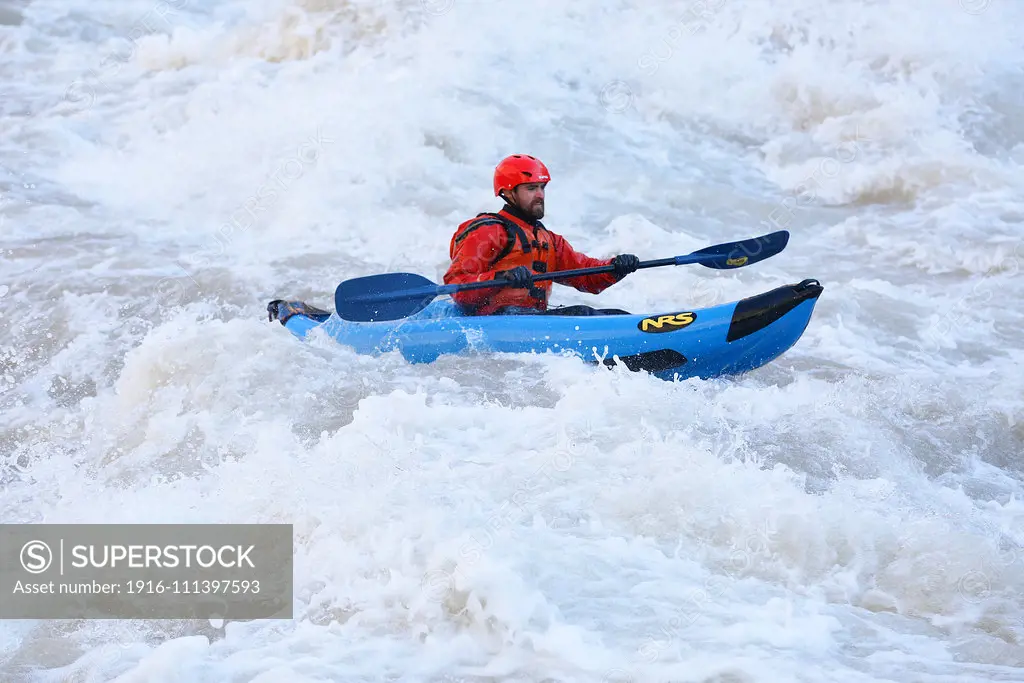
(743, 253)
(388, 296)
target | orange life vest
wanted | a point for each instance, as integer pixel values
(526, 245)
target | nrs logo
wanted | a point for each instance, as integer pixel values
(667, 323)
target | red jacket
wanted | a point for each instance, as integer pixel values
(488, 244)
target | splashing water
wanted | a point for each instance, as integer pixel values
(850, 512)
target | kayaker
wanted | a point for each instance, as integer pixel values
(513, 245)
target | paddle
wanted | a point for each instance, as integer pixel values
(390, 296)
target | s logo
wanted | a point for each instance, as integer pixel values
(667, 323)
(736, 261)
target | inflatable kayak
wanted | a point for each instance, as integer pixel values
(727, 339)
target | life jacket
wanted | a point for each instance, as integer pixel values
(527, 244)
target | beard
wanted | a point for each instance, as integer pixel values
(536, 209)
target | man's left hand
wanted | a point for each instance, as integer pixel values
(625, 264)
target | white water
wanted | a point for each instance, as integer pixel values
(851, 512)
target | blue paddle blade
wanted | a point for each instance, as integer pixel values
(388, 296)
(738, 254)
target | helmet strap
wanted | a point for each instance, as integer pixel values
(510, 198)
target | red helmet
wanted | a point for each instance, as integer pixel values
(518, 169)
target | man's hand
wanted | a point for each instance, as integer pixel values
(520, 276)
(625, 264)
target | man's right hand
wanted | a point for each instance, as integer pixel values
(520, 276)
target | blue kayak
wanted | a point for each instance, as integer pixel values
(727, 339)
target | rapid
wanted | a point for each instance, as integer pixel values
(852, 512)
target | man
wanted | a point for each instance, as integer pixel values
(513, 245)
